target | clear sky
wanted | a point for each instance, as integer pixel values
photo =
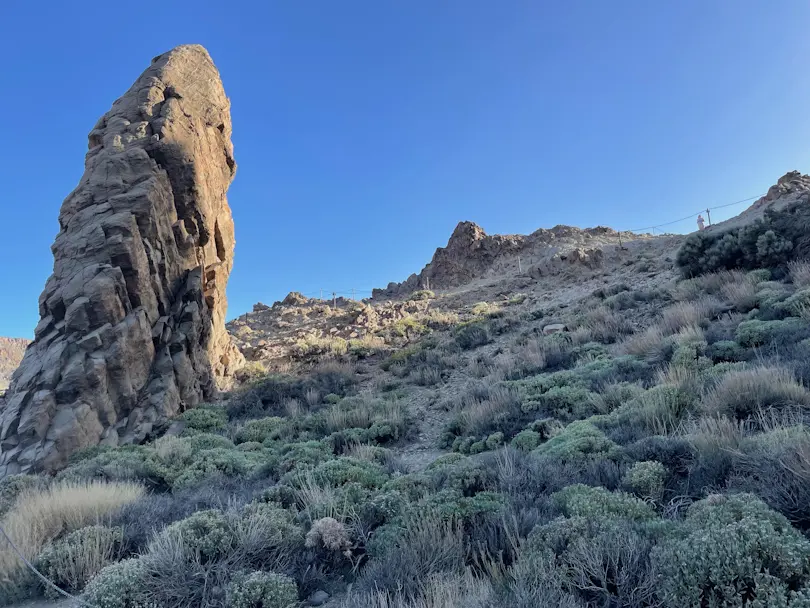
(364, 131)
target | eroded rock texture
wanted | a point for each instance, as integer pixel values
(132, 320)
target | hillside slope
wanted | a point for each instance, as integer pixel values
(598, 432)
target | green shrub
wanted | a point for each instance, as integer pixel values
(733, 551)
(646, 479)
(120, 585)
(605, 561)
(206, 532)
(481, 308)
(413, 486)
(526, 440)
(773, 249)
(622, 300)
(691, 356)
(756, 332)
(272, 427)
(798, 304)
(585, 501)
(346, 469)
(579, 441)
(364, 420)
(460, 473)
(127, 463)
(250, 446)
(476, 447)
(302, 455)
(261, 590)
(725, 351)
(208, 441)
(401, 356)
(472, 335)
(423, 294)
(206, 418)
(760, 275)
(217, 461)
(74, 559)
(752, 246)
(494, 441)
(14, 485)
(453, 506)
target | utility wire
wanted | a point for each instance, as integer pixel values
(746, 200)
(41, 576)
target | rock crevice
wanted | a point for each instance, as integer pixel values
(132, 320)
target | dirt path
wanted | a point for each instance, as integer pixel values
(424, 447)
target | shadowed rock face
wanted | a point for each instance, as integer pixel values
(131, 324)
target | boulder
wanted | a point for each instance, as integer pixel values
(132, 327)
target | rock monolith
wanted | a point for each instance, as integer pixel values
(132, 320)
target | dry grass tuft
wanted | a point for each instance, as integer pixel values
(715, 433)
(750, 392)
(360, 413)
(684, 314)
(39, 516)
(477, 413)
(438, 591)
(605, 325)
(800, 273)
(647, 343)
(742, 295)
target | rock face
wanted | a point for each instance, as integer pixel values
(132, 320)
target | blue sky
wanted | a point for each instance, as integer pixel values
(364, 131)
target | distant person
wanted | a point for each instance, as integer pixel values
(701, 222)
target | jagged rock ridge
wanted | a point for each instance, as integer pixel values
(132, 319)
(472, 254)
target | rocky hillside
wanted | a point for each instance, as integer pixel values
(11, 353)
(555, 268)
(471, 255)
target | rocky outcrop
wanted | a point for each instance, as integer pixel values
(132, 319)
(472, 254)
(790, 190)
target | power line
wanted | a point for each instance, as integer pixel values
(683, 219)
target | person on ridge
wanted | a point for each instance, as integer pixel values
(701, 222)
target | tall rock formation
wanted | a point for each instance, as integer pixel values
(132, 320)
